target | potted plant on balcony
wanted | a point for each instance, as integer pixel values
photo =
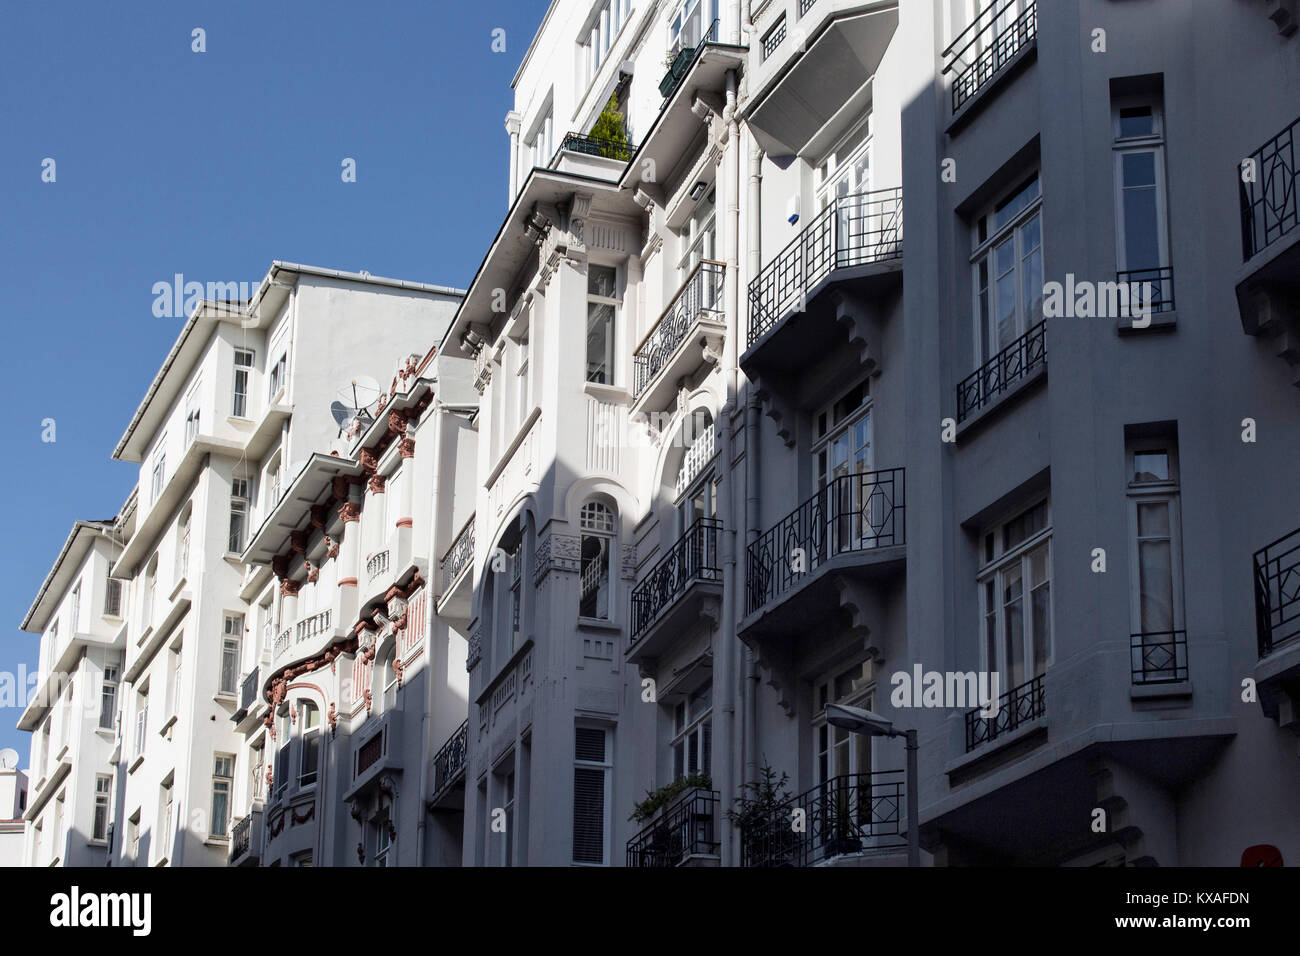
(760, 813)
(664, 847)
(841, 836)
(610, 131)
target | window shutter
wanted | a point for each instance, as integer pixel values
(589, 744)
(588, 814)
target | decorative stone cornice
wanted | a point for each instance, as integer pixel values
(557, 552)
(475, 652)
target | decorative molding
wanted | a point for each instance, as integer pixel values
(475, 653)
(377, 483)
(557, 552)
(628, 563)
(349, 511)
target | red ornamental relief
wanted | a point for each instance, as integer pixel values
(298, 542)
(313, 573)
(367, 696)
(309, 812)
(331, 547)
(349, 511)
(406, 448)
(397, 669)
(397, 423)
(289, 587)
(339, 485)
(334, 721)
(377, 483)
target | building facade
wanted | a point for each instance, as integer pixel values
(13, 804)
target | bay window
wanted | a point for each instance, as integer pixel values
(1015, 583)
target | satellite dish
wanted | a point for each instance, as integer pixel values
(356, 402)
(8, 759)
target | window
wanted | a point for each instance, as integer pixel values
(76, 607)
(45, 745)
(281, 769)
(842, 436)
(133, 836)
(302, 859)
(231, 653)
(165, 808)
(540, 145)
(602, 303)
(1008, 270)
(516, 575)
(846, 169)
(276, 379)
(223, 778)
(591, 773)
(692, 743)
(839, 752)
(192, 414)
(310, 746)
(150, 587)
(597, 526)
(103, 790)
(1016, 597)
(599, 36)
(690, 23)
(380, 827)
(141, 719)
(175, 697)
(183, 546)
(239, 392)
(108, 698)
(159, 470)
(525, 353)
(1141, 203)
(112, 595)
(272, 485)
(1155, 557)
(698, 238)
(238, 514)
(506, 791)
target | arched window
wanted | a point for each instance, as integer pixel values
(695, 488)
(597, 523)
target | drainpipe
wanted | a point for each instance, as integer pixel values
(434, 421)
(753, 264)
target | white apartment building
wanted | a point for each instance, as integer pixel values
(242, 398)
(13, 804)
(80, 614)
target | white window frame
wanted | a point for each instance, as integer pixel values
(606, 767)
(985, 252)
(276, 379)
(992, 571)
(103, 808)
(689, 734)
(109, 685)
(823, 694)
(1123, 146)
(192, 412)
(698, 237)
(615, 302)
(243, 371)
(1167, 491)
(232, 649)
(606, 531)
(239, 492)
(222, 783)
(158, 478)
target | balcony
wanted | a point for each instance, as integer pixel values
(850, 814)
(249, 688)
(661, 611)
(282, 642)
(458, 558)
(1277, 626)
(682, 63)
(595, 146)
(685, 833)
(675, 348)
(449, 772)
(1268, 284)
(1003, 35)
(1159, 657)
(1156, 286)
(855, 523)
(1016, 366)
(858, 239)
(585, 155)
(377, 565)
(1017, 707)
(246, 840)
(376, 749)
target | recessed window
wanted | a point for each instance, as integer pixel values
(276, 380)
(223, 778)
(1008, 270)
(1015, 590)
(108, 698)
(239, 389)
(1141, 199)
(1159, 643)
(231, 653)
(238, 515)
(602, 305)
(591, 777)
(597, 525)
(309, 720)
(692, 743)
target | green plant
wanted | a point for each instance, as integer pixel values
(759, 800)
(657, 799)
(610, 130)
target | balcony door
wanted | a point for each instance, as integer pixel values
(852, 512)
(843, 179)
(842, 805)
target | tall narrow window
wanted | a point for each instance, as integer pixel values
(133, 837)
(103, 792)
(309, 718)
(238, 514)
(175, 691)
(231, 653)
(276, 379)
(698, 236)
(112, 595)
(1008, 270)
(1015, 597)
(165, 818)
(108, 698)
(1141, 202)
(141, 719)
(597, 526)
(692, 743)
(541, 147)
(150, 585)
(522, 385)
(183, 546)
(602, 305)
(159, 473)
(591, 772)
(1159, 646)
(382, 828)
(192, 414)
(239, 390)
(516, 572)
(223, 777)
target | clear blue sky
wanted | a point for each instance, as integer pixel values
(212, 165)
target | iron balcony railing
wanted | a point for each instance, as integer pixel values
(846, 814)
(853, 230)
(449, 762)
(1277, 592)
(858, 512)
(1018, 706)
(1015, 362)
(694, 557)
(682, 63)
(248, 689)
(241, 835)
(700, 295)
(1270, 207)
(1154, 286)
(689, 827)
(1159, 657)
(993, 39)
(458, 556)
(774, 38)
(596, 146)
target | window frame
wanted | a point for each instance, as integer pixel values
(232, 648)
(1167, 491)
(984, 251)
(1122, 146)
(103, 808)
(991, 571)
(219, 781)
(240, 381)
(239, 508)
(606, 767)
(615, 303)
(110, 682)
(687, 724)
(609, 536)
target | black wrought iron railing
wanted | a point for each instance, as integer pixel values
(774, 38)
(682, 63)
(1159, 657)
(1017, 361)
(1270, 207)
(596, 146)
(1149, 289)
(689, 827)
(248, 689)
(1018, 706)
(846, 814)
(694, 557)
(993, 39)
(852, 231)
(241, 835)
(858, 512)
(700, 295)
(449, 762)
(458, 556)
(1277, 592)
